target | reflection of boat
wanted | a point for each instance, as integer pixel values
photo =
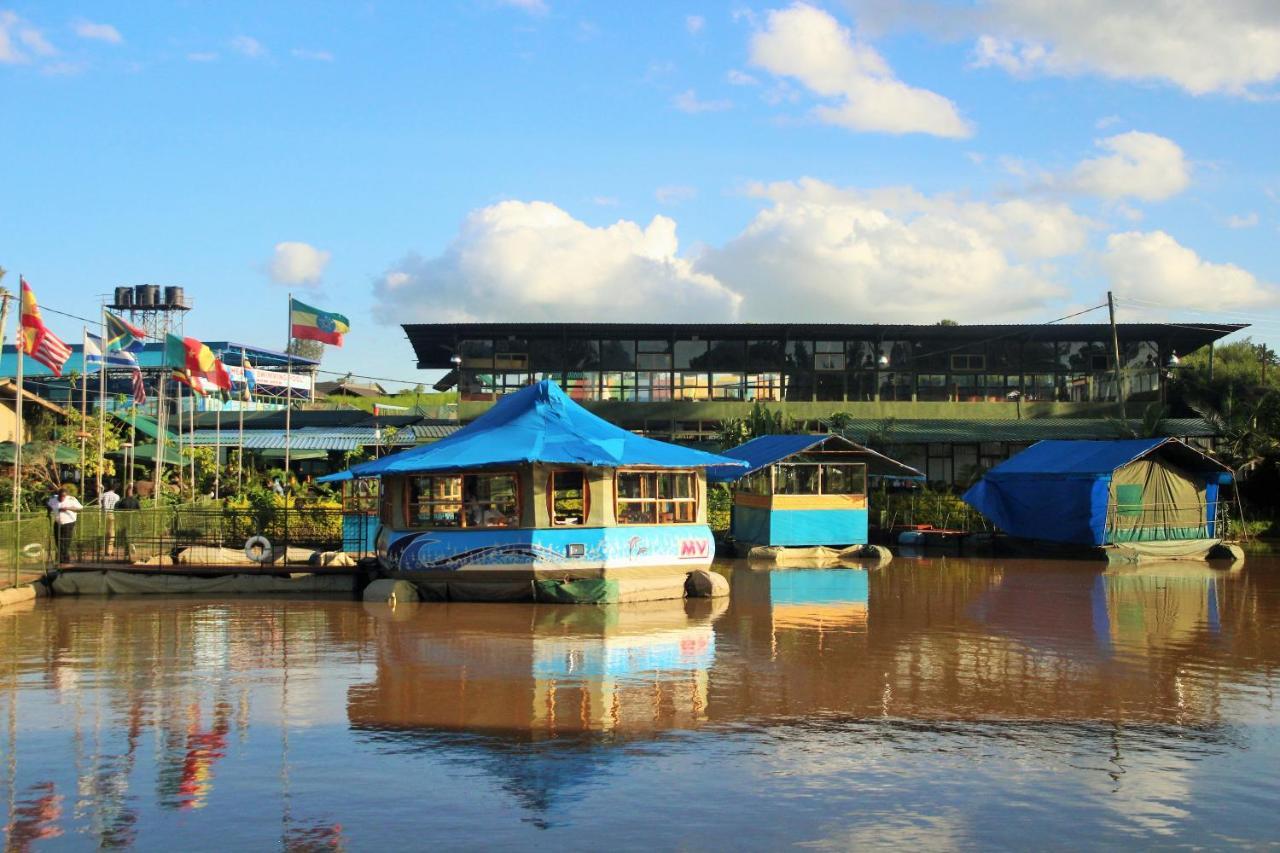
(539, 498)
(1126, 500)
(621, 669)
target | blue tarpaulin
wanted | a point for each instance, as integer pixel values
(537, 424)
(1059, 491)
(765, 450)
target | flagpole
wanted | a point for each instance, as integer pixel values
(131, 456)
(288, 388)
(191, 444)
(217, 451)
(182, 474)
(244, 375)
(102, 403)
(160, 432)
(84, 402)
(21, 340)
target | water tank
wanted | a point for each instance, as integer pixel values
(173, 297)
(124, 297)
(147, 295)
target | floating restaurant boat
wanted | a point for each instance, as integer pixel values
(803, 492)
(1125, 500)
(540, 499)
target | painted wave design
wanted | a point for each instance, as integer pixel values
(414, 556)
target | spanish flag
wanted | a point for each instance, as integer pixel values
(312, 324)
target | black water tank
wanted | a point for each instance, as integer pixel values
(173, 297)
(124, 297)
(147, 295)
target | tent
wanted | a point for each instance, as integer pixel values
(538, 423)
(1104, 492)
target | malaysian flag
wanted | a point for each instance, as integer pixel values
(139, 389)
(35, 339)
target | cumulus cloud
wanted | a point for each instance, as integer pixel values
(739, 78)
(534, 261)
(1138, 165)
(1152, 265)
(894, 254)
(689, 102)
(694, 24)
(297, 264)
(674, 194)
(808, 44)
(1225, 46)
(20, 41)
(1245, 220)
(248, 46)
(96, 32)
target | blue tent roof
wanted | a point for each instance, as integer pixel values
(1094, 458)
(537, 424)
(765, 450)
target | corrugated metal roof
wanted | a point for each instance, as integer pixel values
(891, 431)
(345, 438)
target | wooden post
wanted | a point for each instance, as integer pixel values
(1115, 343)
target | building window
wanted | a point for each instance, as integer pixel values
(476, 353)
(968, 362)
(728, 386)
(653, 387)
(471, 500)
(764, 386)
(939, 467)
(829, 387)
(657, 497)
(692, 386)
(569, 498)
(618, 386)
(765, 355)
(581, 385)
(828, 355)
(618, 355)
(690, 354)
(932, 387)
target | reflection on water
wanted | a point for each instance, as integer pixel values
(947, 702)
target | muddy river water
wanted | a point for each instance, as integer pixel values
(936, 703)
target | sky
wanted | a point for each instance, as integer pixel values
(864, 161)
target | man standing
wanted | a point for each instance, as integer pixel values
(65, 521)
(109, 500)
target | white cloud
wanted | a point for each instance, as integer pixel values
(534, 261)
(533, 7)
(205, 56)
(20, 41)
(694, 24)
(894, 254)
(1247, 220)
(810, 45)
(1220, 46)
(96, 32)
(248, 46)
(688, 102)
(1139, 165)
(314, 55)
(674, 194)
(740, 78)
(297, 263)
(1153, 266)
(605, 200)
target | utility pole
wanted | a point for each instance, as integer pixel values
(1115, 344)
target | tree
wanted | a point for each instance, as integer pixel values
(1151, 425)
(313, 350)
(945, 322)
(759, 421)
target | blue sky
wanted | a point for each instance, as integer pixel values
(994, 161)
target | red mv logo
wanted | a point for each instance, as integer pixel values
(691, 549)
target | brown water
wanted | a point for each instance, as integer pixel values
(933, 703)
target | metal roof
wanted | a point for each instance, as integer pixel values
(322, 438)
(434, 344)
(892, 431)
(765, 450)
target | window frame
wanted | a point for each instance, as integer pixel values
(551, 496)
(412, 518)
(656, 500)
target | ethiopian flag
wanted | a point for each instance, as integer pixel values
(312, 324)
(192, 362)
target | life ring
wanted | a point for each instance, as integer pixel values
(258, 549)
(33, 551)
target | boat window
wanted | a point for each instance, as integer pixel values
(796, 479)
(473, 500)
(568, 494)
(657, 497)
(845, 479)
(361, 495)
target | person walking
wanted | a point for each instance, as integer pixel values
(65, 519)
(108, 502)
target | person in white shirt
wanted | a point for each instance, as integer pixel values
(108, 501)
(65, 522)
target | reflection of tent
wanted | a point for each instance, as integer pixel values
(1104, 492)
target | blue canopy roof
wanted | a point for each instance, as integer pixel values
(765, 450)
(1095, 458)
(537, 424)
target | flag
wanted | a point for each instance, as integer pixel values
(139, 389)
(122, 335)
(250, 380)
(93, 357)
(194, 364)
(35, 339)
(312, 324)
